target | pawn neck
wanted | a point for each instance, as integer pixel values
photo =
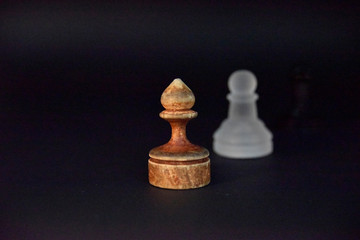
(178, 132)
(242, 106)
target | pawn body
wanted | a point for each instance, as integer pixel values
(178, 164)
(242, 134)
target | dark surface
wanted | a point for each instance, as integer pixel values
(80, 84)
(82, 178)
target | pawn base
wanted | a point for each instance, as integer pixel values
(243, 151)
(179, 174)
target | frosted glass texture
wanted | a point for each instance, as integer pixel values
(242, 134)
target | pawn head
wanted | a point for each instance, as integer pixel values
(242, 82)
(177, 96)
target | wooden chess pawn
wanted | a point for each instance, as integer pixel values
(178, 164)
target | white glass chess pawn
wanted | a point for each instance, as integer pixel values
(242, 134)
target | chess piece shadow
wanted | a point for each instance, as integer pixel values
(253, 176)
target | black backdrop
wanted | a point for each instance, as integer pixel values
(80, 86)
(85, 57)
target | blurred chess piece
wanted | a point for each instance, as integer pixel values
(299, 115)
(242, 134)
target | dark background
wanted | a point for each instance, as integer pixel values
(80, 84)
(86, 57)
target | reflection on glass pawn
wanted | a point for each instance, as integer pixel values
(242, 134)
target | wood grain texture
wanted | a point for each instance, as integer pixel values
(188, 176)
(178, 164)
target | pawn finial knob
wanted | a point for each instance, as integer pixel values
(177, 96)
(242, 82)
